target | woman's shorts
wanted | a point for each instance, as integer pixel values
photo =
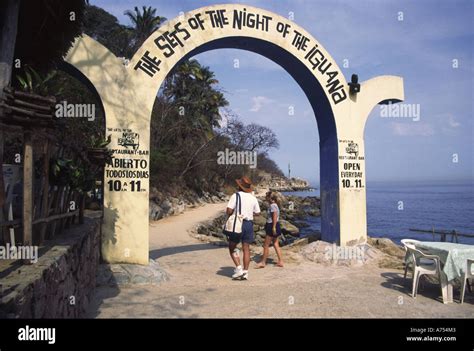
(269, 229)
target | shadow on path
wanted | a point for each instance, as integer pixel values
(157, 253)
(226, 271)
(395, 281)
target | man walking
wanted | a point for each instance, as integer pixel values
(249, 209)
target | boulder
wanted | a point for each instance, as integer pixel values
(300, 214)
(313, 237)
(263, 205)
(302, 224)
(387, 246)
(260, 220)
(155, 212)
(259, 240)
(202, 229)
(317, 252)
(166, 206)
(288, 228)
(314, 212)
(282, 241)
(179, 207)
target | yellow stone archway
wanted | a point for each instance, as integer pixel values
(128, 91)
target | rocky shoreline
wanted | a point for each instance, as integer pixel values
(290, 188)
(282, 184)
(294, 212)
(167, 202)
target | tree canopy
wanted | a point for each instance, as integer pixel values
(105, 28)
(46, 31)
(145, 22)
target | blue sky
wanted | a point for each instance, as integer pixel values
(367, 34)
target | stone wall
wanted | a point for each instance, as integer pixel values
(61, 283)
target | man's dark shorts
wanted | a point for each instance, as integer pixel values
(246, 236)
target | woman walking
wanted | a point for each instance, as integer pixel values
(272, 230)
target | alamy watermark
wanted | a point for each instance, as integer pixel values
(230, 157)
(400, 110)
(37, 334)
(66, 110)
(11, 252)
(336, 253)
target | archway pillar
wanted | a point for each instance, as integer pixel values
(350, 216)
(343, 199)
(352, 190)
(125, 235)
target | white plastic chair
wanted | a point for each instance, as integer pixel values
(469, 273)
(423, 265)
(407, 261)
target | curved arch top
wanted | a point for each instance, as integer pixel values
(184, 34)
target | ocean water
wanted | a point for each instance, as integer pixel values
(394, 207)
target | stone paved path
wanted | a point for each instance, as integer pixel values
(200, 286)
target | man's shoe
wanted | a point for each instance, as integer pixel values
(237, 272)
(245, 275)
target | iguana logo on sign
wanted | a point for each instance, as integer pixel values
(129, 139)
(353, 148)
(128, 92)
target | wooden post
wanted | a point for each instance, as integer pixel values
(45, 187)
(82, 205)
(67, 208)
(51, 210)
(27, 188)
(64, 208)
(9, 10)
(3, 230)
(57, 209)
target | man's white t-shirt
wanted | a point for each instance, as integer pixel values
(249, 204)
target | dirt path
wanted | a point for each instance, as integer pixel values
(200, 285)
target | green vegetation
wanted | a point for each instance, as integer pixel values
(144, 22)
(191, 121)
(34, 82)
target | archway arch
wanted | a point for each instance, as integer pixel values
(129, 91)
